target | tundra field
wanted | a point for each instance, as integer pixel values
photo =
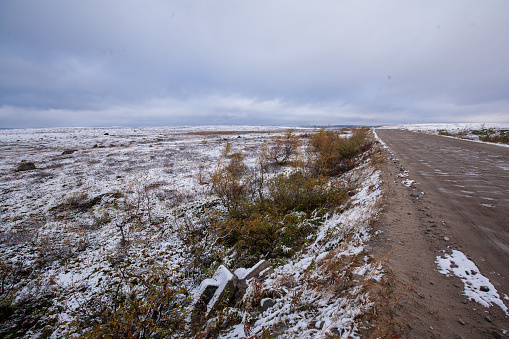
(158, 232)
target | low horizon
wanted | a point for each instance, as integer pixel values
(467, 124)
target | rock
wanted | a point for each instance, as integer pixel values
(484, 289)
(222, 286)
(211, 327)
(489, 319)
(267, 303)
(227, 284)
(253, 272)
(207, 289)
(319, 324)
(496, 335)
(461, 322)
(69, 151)
(106, 134)
(352, 193)
(446, 238)
(464, 301)
(25, 166)
(335, 331)
(265, 273)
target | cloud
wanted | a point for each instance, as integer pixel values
(314, 62)
(240, 110)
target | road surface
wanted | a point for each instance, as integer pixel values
(460, 201)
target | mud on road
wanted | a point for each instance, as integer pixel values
(458, 199)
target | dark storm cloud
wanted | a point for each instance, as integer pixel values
(263, 62)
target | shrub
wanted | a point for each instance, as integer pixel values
(333, 154)
(273, 217)
(145, 305)
(278, 224)
(282, 148)
(444, 132)
(493, 135)
(300, 192)
(230, 182)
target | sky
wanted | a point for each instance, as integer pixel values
(264, 62)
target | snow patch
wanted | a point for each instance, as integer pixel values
(408, 182)
(477, 286)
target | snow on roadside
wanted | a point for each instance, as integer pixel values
(408, 182)
(377, 138)
(477, 286)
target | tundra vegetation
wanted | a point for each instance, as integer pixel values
(491, 134)
(109, 240)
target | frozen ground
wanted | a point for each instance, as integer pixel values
(108, 208)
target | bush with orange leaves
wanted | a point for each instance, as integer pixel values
(332, 154)
(231, 182)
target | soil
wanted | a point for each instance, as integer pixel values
(460, 200)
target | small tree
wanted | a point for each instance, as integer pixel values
(231, 182)
(281, 149)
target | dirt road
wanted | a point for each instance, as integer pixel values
(459, 200)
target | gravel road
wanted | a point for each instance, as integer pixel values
(460, 200)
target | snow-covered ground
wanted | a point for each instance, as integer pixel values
(477, 287)
(65, 225)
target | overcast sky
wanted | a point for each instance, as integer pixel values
(263, 62)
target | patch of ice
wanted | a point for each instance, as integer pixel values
(458, 264)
